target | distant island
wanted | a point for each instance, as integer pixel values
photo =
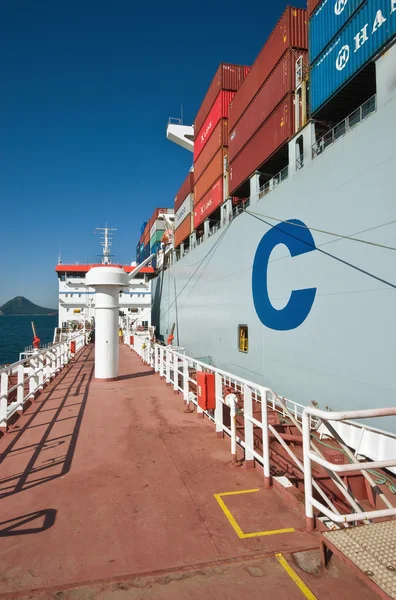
(21, 306)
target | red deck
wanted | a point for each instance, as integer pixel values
(111, 486)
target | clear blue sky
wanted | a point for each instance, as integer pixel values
(86, 89)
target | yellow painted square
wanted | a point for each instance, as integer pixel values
(234, 524)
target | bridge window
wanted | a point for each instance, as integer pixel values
(243, 338)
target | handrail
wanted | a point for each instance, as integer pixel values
(175, 367)
(355, 118)
(35, 370)
(310, 455)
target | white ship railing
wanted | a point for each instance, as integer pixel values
(177, 369)
(32, 373)
(344, 126)
(311, 454)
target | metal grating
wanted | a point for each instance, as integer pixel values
(372, 548)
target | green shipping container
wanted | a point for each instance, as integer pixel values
(156, 237)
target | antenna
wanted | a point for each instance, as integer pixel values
(60, 255)
(106, 241)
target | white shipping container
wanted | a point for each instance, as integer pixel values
(184, 210)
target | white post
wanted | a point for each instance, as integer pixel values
(176, 372)
(156, 358)
(249, 437)
(199, 409)
(3, 401)
(309, 514)
(161, 366)
(233, 430)
(41, 371)
(206, 229)
(254, 187)
(107, 281)
(20, 389)
(185, 379)
(219, 404)
(264, 420)
(167, 366)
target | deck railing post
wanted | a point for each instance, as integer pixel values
(200, 411)
(40, 361)
(162, 357)
(264, 421)
(167, 366)
(156, 358)
(176, 372)
(309, 514)
(249, 438)
(21, 386)
(185, 379)
(219, 404)
(3, 401)
(33, 376)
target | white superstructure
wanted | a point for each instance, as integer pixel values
(77, 301)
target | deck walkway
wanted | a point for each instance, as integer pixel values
(108, 490)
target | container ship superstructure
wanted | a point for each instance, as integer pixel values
(281, 267)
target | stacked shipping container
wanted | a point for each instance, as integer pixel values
(211, 138)
(343, 38)
(261, 116)
(151, 234)
(183, 210)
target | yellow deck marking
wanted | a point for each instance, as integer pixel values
(235, 525)
(293, 575)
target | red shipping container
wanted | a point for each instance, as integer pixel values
(182, 232)
(213, 171)
(218, 138)
(187, 187)
(290, 32)
(154, 217)
(206, 390)
(219, 110)
(212, 200)
(312, 4)
(277, 86)
(274, 132)
(227, 77)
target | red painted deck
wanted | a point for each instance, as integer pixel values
(107, 489)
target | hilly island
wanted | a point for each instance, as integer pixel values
(22, 306)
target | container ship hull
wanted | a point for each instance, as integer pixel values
(318, 308)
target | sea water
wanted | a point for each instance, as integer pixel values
(16, 333)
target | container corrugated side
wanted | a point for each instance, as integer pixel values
(369, 31)
(228, 77)
(156, 237)
(312, 4)
(218, 111)
(184, 210)
(213, 171)
(212, 200)
(186, 187)
(290, 32)
(218, 138)
(327, 21)
(274, 132)
(277, 86)
(182, 232)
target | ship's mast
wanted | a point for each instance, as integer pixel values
(106, 241)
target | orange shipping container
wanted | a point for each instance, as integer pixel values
(218, 138)
(183, 231)
(291, 31)
(227, 77)
(280, 83)
(213, 171)
(274, 132)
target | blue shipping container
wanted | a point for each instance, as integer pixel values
(326, 22)
(145, 253)
(369, 31)
(143, 227)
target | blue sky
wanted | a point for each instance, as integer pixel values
(86, 89)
